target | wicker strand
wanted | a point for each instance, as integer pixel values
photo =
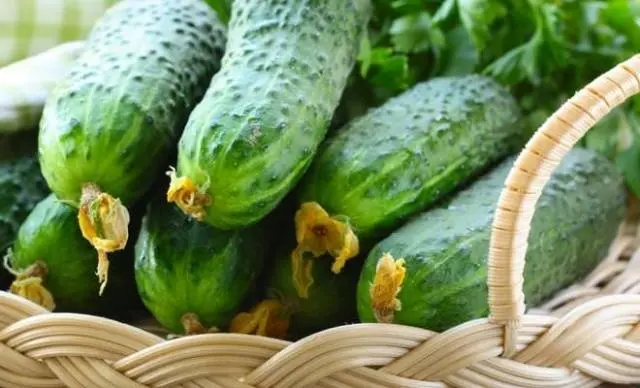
(596, 341)
(526, 180)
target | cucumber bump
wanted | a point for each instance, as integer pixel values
(252, 137)
(109, 127)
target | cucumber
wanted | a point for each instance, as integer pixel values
(191, 276)
(399, 159)
(432, 272)
(284, 314)
(255, 132)
(108, 127)
(55, 266)
(21, 188)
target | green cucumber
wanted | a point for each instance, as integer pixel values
(255, 132)
(328, 303)
(50, 247)
(21, 188)
(109, 127)
(442, 278)
(190, 275)
(401, 158)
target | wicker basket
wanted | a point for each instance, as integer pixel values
(587, 335)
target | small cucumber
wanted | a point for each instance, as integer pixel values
(191, 276)
(399, 159)
(110, 125)
(432, 272)
(21, 188)
(283, 313)
(253, 135)
(55, 266)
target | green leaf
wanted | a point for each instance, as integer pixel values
(393, 74)
(624, 16)
(444, 11)
(222, 8)
(460, 57)
(416, 33)
(386, 69)
(477, 16)
(364, 55)
(511, 67)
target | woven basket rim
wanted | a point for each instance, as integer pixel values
(588, 334)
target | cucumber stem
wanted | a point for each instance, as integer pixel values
(318, 233)
(104, 222)
(269, 318)
(184, 193)
(386, 285)
(28, 283)
(192, 325)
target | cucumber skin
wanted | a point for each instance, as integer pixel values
(266, 111)
(405, 155)
(118, 114)
(22, 187)
(182, 265)
(51, 233)
(445, 249)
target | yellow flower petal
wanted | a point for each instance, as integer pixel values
(317, 234)
(386, 285)
(104, 222)
(349, 249)
(192, 325)
(184, 193)
(267, 319)
(302, 277)
(29, 285)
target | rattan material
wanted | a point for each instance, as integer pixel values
(588, 334)
(527, 178)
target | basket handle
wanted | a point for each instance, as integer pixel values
(526, 180)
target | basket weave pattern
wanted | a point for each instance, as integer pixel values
(588, 334)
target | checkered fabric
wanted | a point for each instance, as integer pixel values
(29, 27)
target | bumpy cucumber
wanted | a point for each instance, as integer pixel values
(399, 159)
(190, 275)
(21, 188)
(49, 250)
(329, 301)
(432, 272)
(258, 127)
(109, 126)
